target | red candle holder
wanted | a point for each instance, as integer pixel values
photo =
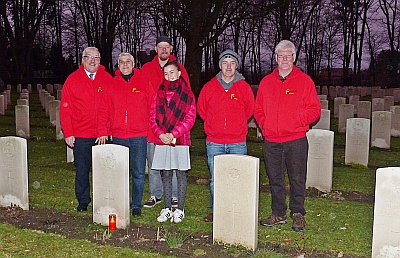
(112, 222)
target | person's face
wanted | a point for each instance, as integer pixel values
(171, 73)
(91, 60)
(125, 65)
(163, 50)
(285, 59)
(228, 68)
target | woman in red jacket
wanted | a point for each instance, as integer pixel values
(172, 115)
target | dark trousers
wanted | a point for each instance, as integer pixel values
(83, 163)
(291, 157)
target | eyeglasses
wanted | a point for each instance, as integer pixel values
(97, 58)
(285, 56)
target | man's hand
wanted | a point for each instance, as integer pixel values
(101, 140)
(70, 141)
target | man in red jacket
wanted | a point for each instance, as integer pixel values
(81, 95)
(225, 104)
(286, 104)
(154, 72)
(125, 107)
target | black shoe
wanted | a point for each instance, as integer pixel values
(136, 212)
(153, 201)
(82, 207)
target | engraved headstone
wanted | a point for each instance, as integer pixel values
(2, 109)
(364, 109)
(388, 102)
(22, 125)
(345, 111)
(23, 102)
(378, 104)
(236, 212)
(386, 229)
(354, 100)
(357, 141)
(53, 105)
(111, 184)
(324, 104)
(13, 172)
(395, 130)
(380, 132)
(336, 103)
(320, 159)
(324, 121)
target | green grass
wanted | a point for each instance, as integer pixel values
(332, 225)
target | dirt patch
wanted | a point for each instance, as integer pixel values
(149, 238)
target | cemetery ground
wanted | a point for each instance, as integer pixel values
(339, 223)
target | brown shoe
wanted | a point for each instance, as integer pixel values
(299, 222)
(273, 220)
(209, 217)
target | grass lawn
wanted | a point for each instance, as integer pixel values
(341, 226)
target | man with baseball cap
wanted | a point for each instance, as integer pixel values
(153, 70)
(225, 104)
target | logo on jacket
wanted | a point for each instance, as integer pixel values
(288, 92)
(135, 90)
(99, 89)
(233, 96)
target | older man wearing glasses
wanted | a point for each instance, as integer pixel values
(286, 104)
(81, 95)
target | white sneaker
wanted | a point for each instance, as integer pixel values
(165, 214)
(178, 215)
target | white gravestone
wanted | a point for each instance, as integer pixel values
(378, 104)
(5, 100)
(354, 100)
(386, 228)
(236, 188)
(322, 97)
(111, 184)
(364, 109)
(336, 103)
(380, 132)
(357, 141)
(2, 109)
(324, 104)
(22, 126)
(320, 159)
(388, 102)
(53, 105)
(395, 129)
(23, 102)
(396, 95)
(59, 132)
(324, 121)
(8, 93)
(14, 172)
(346, 111)
(70, 154)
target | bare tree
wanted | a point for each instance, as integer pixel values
(21, 21)
(391, 20)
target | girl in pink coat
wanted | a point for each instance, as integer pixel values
(172, 116)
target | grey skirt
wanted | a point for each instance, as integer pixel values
(168, 158)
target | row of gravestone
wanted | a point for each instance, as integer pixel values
(235, 212)
(346, 91)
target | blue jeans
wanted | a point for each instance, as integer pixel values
(83, 163)
(137, 156)
(155, 181)
(291, 157)
(215, 149)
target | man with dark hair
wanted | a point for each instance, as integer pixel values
(154, 72)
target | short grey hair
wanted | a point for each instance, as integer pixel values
(90, 48)
(285, 44)
(126, 54)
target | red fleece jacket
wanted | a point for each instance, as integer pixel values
(284, 110)
(155, 74)
(80, 99)
(125, 106)
(225, 114)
